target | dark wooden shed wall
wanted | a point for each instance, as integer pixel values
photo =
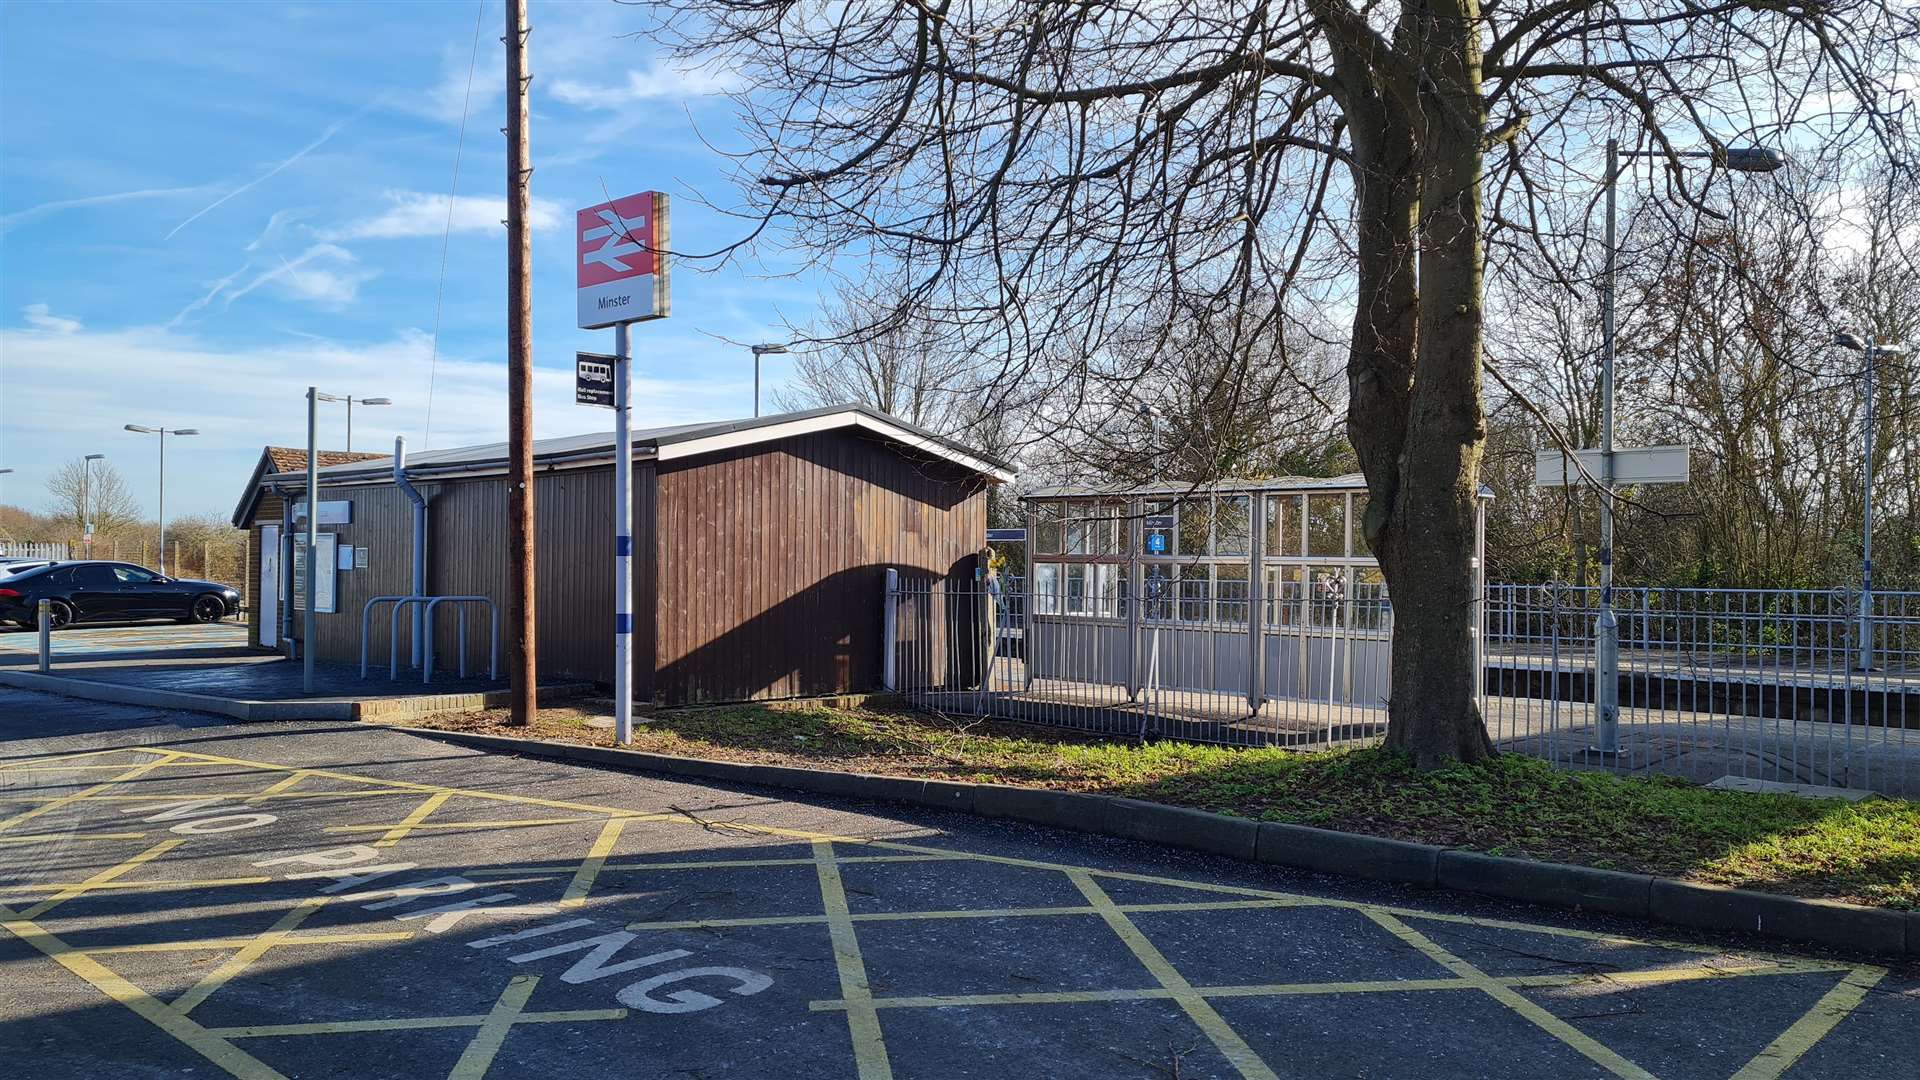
(769, 562)
(773, 559)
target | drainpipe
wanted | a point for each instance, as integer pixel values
(419, 539)
(286, 571)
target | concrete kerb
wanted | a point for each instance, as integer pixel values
(1702, 907)
(257, 711)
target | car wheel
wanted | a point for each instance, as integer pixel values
(208, 609)
(59, 615)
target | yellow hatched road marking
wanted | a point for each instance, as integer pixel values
(100, 880)
(1228, 1041)
(223, 944)
(203, 1042)
(863, 1023)
(583, 878)
(64, 837)
(1512, 999)
(253, 950)
(280, 785)
(396, 833)
(478, 1056)
(1833, 1007)
(509, 823)
(350, 1027)
(29, 763)
(85, 886)
(69, 800)
(703, 864)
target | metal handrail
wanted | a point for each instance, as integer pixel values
(393, 636)
(493, 652)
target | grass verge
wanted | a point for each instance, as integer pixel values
(1863, 853)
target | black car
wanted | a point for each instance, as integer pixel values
(111, 592)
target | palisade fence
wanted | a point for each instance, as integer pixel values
(1763, 684)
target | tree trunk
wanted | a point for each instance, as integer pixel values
(1428, 542)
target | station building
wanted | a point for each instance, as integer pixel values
(760, 549)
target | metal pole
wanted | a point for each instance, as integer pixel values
(1864, 652)
(86, 475)
(1607, 634)
(349, 423)
(313, 544)
(163, 501)
(622, 539)
(756, 384)
(523, 642)
(46, 635)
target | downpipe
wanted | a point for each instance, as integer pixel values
(419, 539)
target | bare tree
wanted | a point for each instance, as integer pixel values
(1048, 175)
(74, 488)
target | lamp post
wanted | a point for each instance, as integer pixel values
(1607, 632)
(86, 518)
(1863, 652)
(350, 399)
(163, 432)
(758, 352)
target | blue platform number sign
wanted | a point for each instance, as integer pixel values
(1157, 543)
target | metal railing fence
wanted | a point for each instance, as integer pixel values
(1757, 685)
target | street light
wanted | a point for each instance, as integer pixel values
(163, 432)
(1753, 159)
(350, 399)
(86, 519)
(758, 352)
(1863, 653)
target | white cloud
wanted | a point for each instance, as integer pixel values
(245, 397)
(325, 275)
(32, 213)
(420, 213)
(41, 317)
(656, 83)
(332, 130)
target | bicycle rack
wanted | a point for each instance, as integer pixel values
(493, 651)
(393, 652)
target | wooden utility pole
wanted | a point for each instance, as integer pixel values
(523, 639)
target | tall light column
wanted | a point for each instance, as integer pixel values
(758, 352)
(1872, 352)
(163, 432)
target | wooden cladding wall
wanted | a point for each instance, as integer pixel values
(772, 560)
(466, 556)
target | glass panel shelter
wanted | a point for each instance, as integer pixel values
(1257, 588)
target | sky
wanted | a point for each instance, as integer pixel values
(205, 208)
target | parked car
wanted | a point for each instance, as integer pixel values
(9, 567)
(96, 591)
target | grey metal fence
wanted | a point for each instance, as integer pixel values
(1770, 685)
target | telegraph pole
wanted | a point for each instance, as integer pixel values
(522, 636)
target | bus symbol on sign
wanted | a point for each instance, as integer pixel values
(593, 379)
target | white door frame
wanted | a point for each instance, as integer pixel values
(269, 589)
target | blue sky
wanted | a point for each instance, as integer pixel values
(204, 208)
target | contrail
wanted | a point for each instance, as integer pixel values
(331, 131)
(21, 217)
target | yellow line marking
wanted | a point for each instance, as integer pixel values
(28, 763)
(863, 1023)
(68, 800)
(506, 824)
(1833, 1007)
(100, 880)
(63, 837)
(97, 768)
(478, 1056)
(397, 832)
(583, 878)
(1229, 1042)
(83, 886)
(196, 1038)
(222, 944)
(251, 951)
(1512, 999)
(708, 864)
(279, 786)
(957, 913)
(183, 796)
(349, 1027)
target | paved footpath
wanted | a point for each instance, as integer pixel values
(185, 898)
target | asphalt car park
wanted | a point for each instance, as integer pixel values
(182, 898)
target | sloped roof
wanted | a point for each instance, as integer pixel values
(287, 459)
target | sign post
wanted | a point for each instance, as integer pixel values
(1643, 465)
(621, 278)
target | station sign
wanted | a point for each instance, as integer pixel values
(593, 379)
(332, 512)
(621, 261)
(1644, 465)
(1157, 533)
(1006, 536)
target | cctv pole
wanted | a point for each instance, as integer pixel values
(523, 642)
(1607, 633)
(313, 544)
(1864, 655)
(622, 538)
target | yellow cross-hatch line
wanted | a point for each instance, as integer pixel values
(420, 813)
(1833, 1007)
(1228, 1041)
(478, 1056)
(251, 951)
(69, 800)
(583, 878)
(100, 879)
(863, 1023)
(29, 763)
(1512, 999)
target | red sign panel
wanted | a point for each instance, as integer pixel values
(620, 261)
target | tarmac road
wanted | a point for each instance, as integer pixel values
(182, 897)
